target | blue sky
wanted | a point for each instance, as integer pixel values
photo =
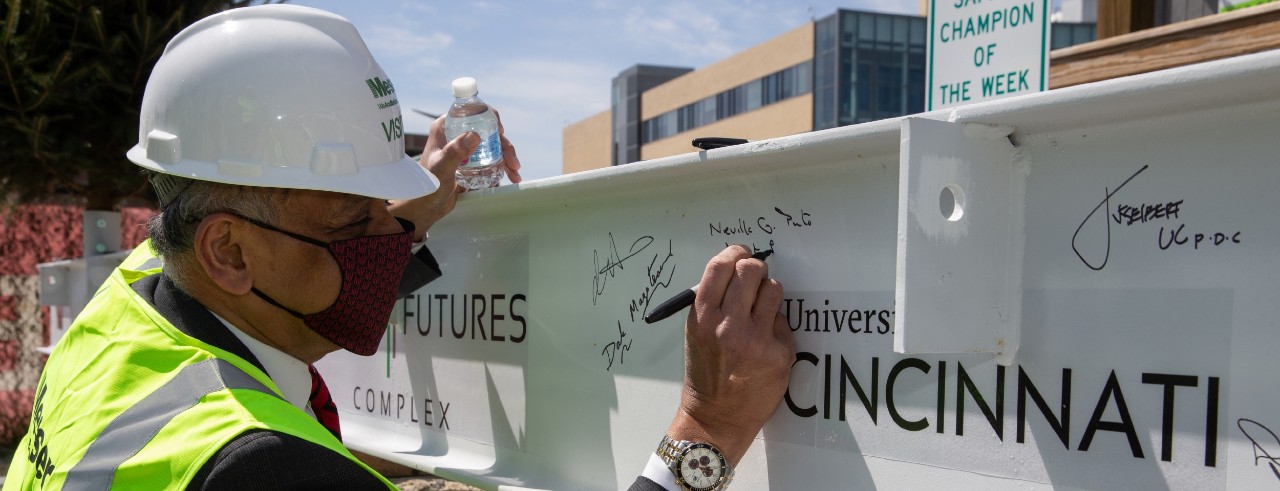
(546, 64)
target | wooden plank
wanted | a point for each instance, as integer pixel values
(1249, 30)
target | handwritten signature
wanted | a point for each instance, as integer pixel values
(762, 223)
(1106, 202)
(1260, 452)
(613, 263)
(616, 350)
(805, 219)
(641, 305)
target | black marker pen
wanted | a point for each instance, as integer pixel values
(685, 298)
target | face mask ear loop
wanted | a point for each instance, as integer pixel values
(269, 300)
(267, 226)
(408, 226)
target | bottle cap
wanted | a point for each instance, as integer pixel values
(464, 87)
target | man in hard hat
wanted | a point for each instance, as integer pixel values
(289, 215)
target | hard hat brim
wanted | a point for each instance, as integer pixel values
(398, 180)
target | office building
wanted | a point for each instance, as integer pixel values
(847, 68)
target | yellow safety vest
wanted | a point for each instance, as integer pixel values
(128, 401)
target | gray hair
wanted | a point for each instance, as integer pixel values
(173, 231)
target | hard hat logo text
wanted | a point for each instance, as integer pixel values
(379, 87)
(393, 129)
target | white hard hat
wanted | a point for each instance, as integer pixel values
(278, 96)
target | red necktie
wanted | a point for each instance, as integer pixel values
(322, 405)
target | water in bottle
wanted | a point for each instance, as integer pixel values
(484, 168)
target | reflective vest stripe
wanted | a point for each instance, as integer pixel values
(125, 435)
(153, 263)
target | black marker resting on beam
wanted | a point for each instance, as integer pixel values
(685, 298)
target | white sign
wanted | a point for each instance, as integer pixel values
(979, 51)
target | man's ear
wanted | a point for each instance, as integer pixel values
(217, 247)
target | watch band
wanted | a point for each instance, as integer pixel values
(672, 451)
(669, 451)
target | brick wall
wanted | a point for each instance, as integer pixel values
(30, 235)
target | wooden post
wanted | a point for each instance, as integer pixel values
(1116, 17)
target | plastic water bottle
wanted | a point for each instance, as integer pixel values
(484, 168)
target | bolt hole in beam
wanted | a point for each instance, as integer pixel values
(951, 202)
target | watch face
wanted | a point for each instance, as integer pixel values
(701, 467)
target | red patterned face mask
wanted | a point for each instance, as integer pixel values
(372, 267)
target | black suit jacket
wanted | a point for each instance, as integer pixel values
(644, 484)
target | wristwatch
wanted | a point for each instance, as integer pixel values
(697, 466)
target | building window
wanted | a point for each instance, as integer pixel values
(706, 111)
(753, 94)
(1067, 34)
(775, 87)
(879, 65)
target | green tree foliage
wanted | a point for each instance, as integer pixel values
(72, 74)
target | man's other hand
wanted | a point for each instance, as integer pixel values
(442, 157)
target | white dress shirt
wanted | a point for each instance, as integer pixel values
(658, 472)
(290, 374)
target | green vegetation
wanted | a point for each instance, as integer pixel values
(1250, 3)
(72, 75)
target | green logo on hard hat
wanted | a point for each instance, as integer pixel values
(380, 87)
